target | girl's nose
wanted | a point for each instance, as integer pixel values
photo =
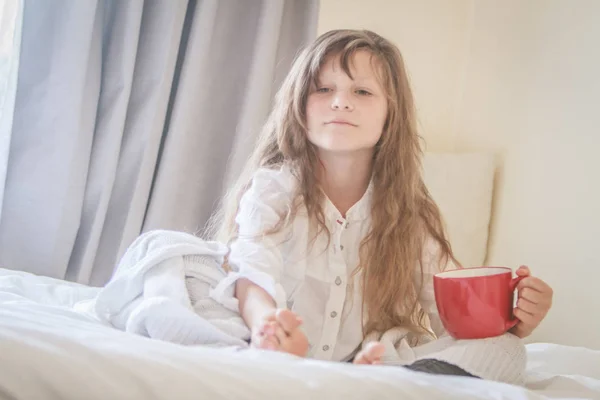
(341, 102)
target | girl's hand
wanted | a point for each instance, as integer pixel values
(534, 302)
(280, 331)
(263, 333)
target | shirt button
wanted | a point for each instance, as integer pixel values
(325, 348)
(346, 226)
(333, 314)
(338, 281)
(341, 247)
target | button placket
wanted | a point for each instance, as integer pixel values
(331, 326)
(338, 270)
(337, 295)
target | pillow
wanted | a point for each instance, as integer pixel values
(462, 186)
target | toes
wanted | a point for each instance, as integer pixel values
(371, 354)
(360, 359)
(375, 350)
(280, 335)
(288, 320)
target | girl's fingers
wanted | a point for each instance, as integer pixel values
(536, 284)
(527, 306)
(523, 270)
(268, 328)
(269, 343)
(525, 317)
(266, 342)
(531, 295)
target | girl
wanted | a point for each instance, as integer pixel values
(333, 235)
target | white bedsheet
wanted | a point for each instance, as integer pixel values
(50, 348)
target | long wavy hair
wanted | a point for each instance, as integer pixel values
(403, 214)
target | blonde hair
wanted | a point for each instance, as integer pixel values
(403, 213)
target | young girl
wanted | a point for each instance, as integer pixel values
(333, 234)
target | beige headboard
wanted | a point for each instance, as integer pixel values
(462, 185)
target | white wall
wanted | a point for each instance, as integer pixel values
(521, 79)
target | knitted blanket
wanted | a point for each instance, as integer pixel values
(166, 287)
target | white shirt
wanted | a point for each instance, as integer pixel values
(312, 278)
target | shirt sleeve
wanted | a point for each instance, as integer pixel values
(432, 264)
(253, 254)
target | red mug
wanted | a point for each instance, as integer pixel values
(476, 303)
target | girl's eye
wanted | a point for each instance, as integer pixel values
(363, 92)
(323, 90)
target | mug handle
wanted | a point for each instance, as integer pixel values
(511, 287)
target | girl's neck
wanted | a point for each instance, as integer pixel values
(345, 177)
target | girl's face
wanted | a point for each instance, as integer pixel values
(346, 115)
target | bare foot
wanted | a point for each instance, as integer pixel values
(370, 354)
(280, 332)
(290, 338)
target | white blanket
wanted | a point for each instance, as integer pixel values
(170, 286)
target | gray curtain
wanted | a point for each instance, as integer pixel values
(11, 17)
(132, 115)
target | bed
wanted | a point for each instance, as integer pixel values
(52, 347)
